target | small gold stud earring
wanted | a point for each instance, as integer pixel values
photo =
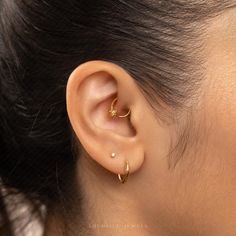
(114, 111)
(113, 155)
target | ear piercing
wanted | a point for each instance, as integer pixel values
(114, 112)
(113, 155)
(124, 178)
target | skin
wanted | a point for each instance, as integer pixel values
(198, 195)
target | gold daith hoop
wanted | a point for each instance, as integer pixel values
(114, 112)
(124, 178)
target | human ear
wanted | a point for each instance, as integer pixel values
(91, 88)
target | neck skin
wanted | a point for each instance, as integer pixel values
(109, 208)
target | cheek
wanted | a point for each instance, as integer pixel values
(201, 190)
(220, 121)
(220, 88)
(204, 181)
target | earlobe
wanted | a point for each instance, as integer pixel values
(101, 115)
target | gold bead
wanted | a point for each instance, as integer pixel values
(113, 155)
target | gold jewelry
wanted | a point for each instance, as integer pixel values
(113, 155)
(114, 111)
(124, 178)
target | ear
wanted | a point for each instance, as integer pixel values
(91, 89)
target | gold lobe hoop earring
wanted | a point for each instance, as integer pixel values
(114, 112)
(124, 178)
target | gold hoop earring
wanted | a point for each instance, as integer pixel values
(114, 111)
(124, 178)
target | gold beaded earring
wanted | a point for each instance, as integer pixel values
(114, 112)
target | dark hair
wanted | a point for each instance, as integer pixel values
(41, 42)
